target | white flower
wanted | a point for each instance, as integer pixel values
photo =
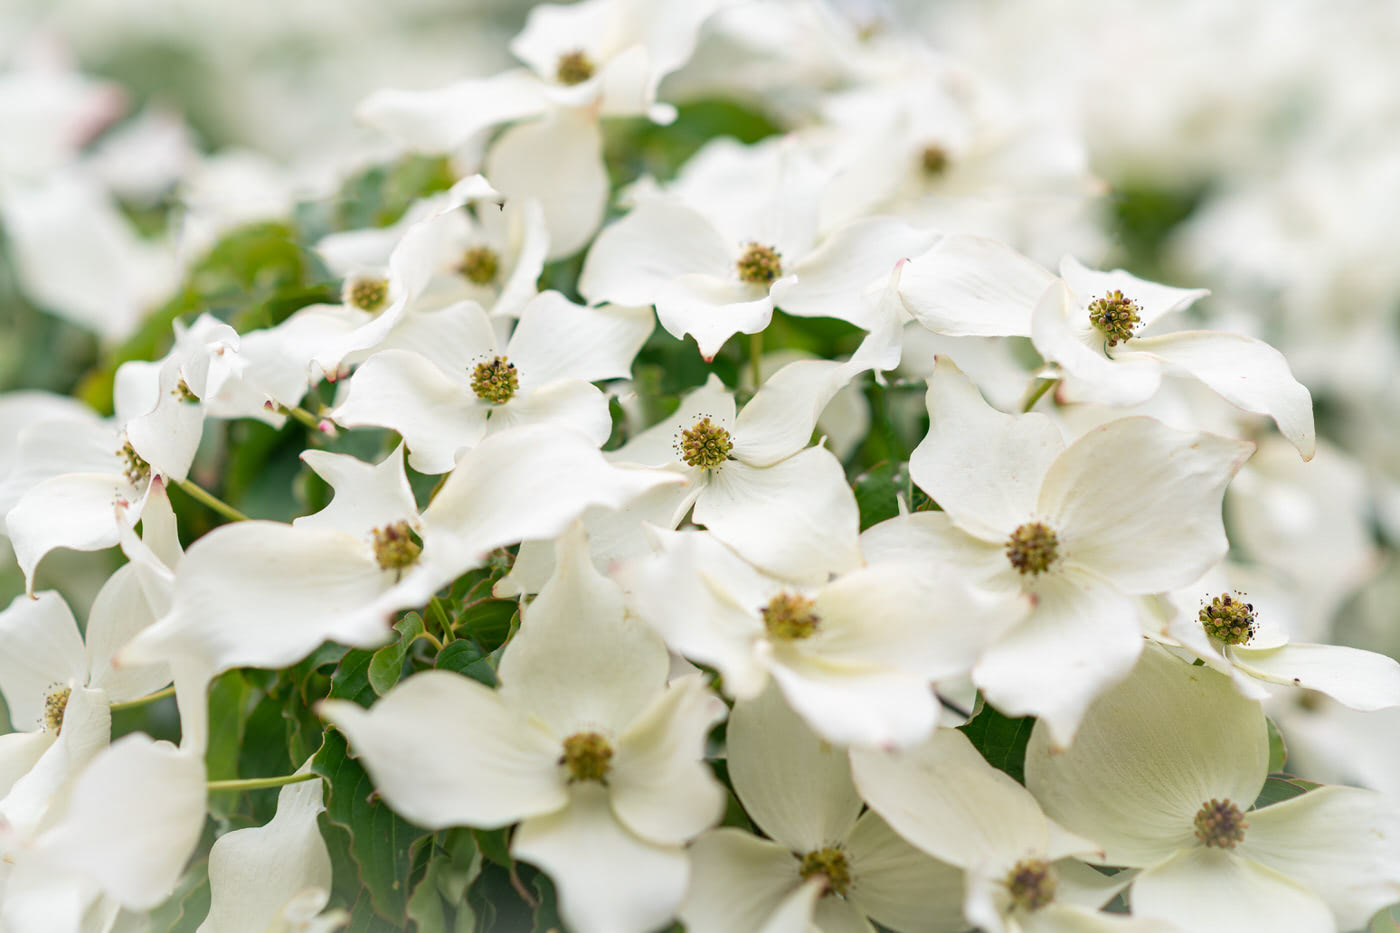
(947, 800)
(447, 382)
(825, 866)
(276, 877)
(584, 743)
(1130, 508)
(132, 820)
(854, 657)
(1162, 775)
(264, 594)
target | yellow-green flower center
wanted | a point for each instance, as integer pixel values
(789, 617)
(759, 264)
(574, 67)
(495, 381)
(479, 264)
(831, 864)
(1032, 548)
(135, 467)
(1228, 619)
(704, 444)
(1220, 824)
(1031, 884)
(366, 293)
(55, 705)
(587, 757)
(1115, 316)
(934, 160)
(183, 392)
(396, 546)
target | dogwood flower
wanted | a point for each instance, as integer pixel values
(264, 594)
(734, 237)
(1021, 868)
(854, 657)
(825, 866)
(448, 383)
(131, 821)
(1130, 508)
(276, 876)
(584, 744)
(1162, 775)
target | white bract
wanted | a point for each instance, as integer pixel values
(448, 381)
(1162, 776)
(825, 865)
(1130, 508)
(584, 743)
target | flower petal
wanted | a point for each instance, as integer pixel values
(1148, 755)
(1360, 679)
(440, 120)
(121, 610)
(608, 879)
(1138, 503)
(778, 421)
(900, 887)
(944, 798)
(444, 750)
(662, 788)
(856, 703)
(795, 519)
(1153, 300)
(1246, 372)
(931, 539)
(87, 728)
(740, 883)
(75, 510)
(40, 649)
(973, 286)
(367, 495)
(656, 446)
(1339, 842)
(1061, 337)
(1215, 891)
(557, 339)
(661, 240)
(795, 787)
(982, 467)
(712, 309)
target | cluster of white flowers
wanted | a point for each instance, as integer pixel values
(912, 609)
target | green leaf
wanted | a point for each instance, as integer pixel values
(464, 656)
(547, 913)
(425, 906)
(1001, 740)
(877, 493)
(488, 621)
(494, 844)
(386, 665)
(1278, 789)
(1278, 752)
(229, 706)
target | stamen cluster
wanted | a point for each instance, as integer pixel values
(760, 265)
(480, 265)
(1115, 316)
(790, 617)
(587, 757)
(1031, 884)
(367, 294)
(495, 380)
(831, 863)
(135, 467)
(704, 444)
(1220, 824)
(574, 67)
(1228, 619)
(55, 705)
(1032, 548)
(396, 546)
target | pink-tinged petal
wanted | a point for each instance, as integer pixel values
(1246, 372)
(1216, 891)
(662, 787)
(661, 240)
(982, 466)
(1148, 755)
(973, 286)
(1341, 843)
(740, 883)
(443, 750)
(557, 339)
(1153, 300)
(1061, 337)
(1138, 503)
(559, 161)
(795, 519)
(712, 309)
(608, 879)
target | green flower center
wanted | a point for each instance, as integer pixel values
(1032, 548)
(1115, 316)
(183, 392)
(479, 264)
(396, 546)
(135, 467)
(1031, 884)
(934, 160)
(831, 864)
(1220, 824)
(587, 757)
(1228, 619)
(495, 381)
(574, 67)
(760, 265)
(55, 705)
(704, 444)
(367, 294)
(789, 617)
